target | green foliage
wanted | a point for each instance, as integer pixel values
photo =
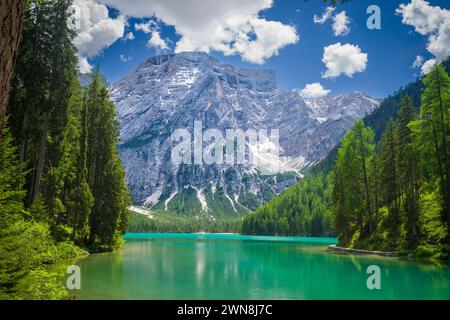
(433, 231)
(25, 244)
(353, 204)
(45, 286)
(432, 134)
(61, 180)
(394, 195)
(303, 209)
(45, 82)
(11, 181)
(185, 202)
(105, 175)
(67, 136)
(219, 203)
(408, 191)
(408, 172)
(377, 120)
(182, 224)
(249, 200)
(389, 166)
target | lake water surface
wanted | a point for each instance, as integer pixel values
(212, 266)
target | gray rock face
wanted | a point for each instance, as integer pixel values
(170, 92)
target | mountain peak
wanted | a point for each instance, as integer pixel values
(158, 60)
(191, 64)
(175, 91)
(189, 56)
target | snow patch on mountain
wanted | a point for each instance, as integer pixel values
(170, 92)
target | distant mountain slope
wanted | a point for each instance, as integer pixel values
(378, 119)
(305, 206)
(302, 209)
(170, 92)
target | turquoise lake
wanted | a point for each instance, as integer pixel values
(222, 266)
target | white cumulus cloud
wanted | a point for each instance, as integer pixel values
(233, 27)
(314, 90)
(431, 21)
(157, 42)
(418, 62)
(428, 66)
(95, 30)
(125, 58)
(325, 16)
(341, 24)
(83, 65)
(129, 36)
(344, 59)
(145, 27)
(341, 21)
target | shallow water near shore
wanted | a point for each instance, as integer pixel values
(227, 266)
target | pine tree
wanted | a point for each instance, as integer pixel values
(365, 152)
(389, 178)
(432, 134)
(44, 83)
(352, 195)
(389, 166)
(11, 182)
(344, 203)
(22, 242)
(301, 210)
(79, 198)
(68, 144)
(66, 154)
(105, 175)
(407, 169)
(375, 184)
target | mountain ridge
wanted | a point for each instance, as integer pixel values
(173, 91)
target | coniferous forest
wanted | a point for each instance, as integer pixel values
(62, 185)
(388, 195)
(303, 209)
(63, 195)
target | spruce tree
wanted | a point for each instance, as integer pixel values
(389, 166)
(44, 84)
(13, 264)
(23, 243)
(365, 153)
(408, 181)
(105, 175)
(352, 194)
(432, 135)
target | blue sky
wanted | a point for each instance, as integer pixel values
(390, 51)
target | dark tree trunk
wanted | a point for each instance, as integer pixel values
(11, 15)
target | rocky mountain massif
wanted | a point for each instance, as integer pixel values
(170, 92)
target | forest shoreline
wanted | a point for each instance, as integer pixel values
(366, 252)
(410, 256)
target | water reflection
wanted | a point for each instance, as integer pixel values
(190, 268)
